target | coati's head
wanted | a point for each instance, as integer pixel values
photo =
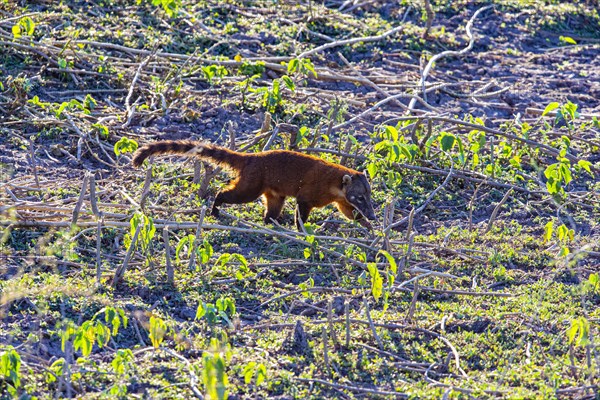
(358, 193)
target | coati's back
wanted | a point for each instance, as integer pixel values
(287, 172)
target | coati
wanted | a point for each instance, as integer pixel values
(277, 174)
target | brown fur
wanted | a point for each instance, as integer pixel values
(278, 174)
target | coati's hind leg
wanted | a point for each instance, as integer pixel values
(274, 207)
(237, 194)
(302, 213)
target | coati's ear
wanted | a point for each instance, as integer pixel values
(346, 180)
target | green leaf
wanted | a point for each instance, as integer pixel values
(28, 24)
(189, 239)
(10, 369)
(572, 330)
(395, 155)
(550, 107)
(36, 102)
(578, 332)
(307, 65)
(383, 145)
(242, 260)
(362, 279)
(124, 318)
(16, 31)
(565, 172)
(461, 151)
(392, 133)
(158, 328)
(261, 374)
(68, 331)
(102, 334)
(564, 251)
(201, 311)
(406, 152)
(516, 161)
(61, 108)
(447, 141)
(230, 305)
(170, 7)
(525, 128)
(82, 341)
(289, 82)
(475, 160)
(372, 170)
(62, 63)
(249, 369)
(376, 281)
(57, 368)
(114, 319)
(585, 165)
(293, 66)
(548, 230)
(254, 70)
(205, 251)
(125, 145)
(89, 103)
(594, 279)
(307, 252)
(553, 186)
(223, 259)
(102, 130)
(562, 233)
(275, 88)
(391, 261)
(551, 171)
(567, 39)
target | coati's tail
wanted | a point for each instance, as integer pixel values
(164, 147)
(212, 153)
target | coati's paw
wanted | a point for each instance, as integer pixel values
(366, 224)
(273, 221)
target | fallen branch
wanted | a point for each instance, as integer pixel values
(447, 53)
(354, 388)
(363, 39)
(371, 325)
(496, 210)
(121, 270)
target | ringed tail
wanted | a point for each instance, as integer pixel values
(210, 152)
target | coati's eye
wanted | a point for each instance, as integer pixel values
(352, 198)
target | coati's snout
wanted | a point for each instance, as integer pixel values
(358, 193)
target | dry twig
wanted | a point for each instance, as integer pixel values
(447, 53)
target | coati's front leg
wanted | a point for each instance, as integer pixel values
(351, 213)
(302, 213)
(274, 206)
(239, 193)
